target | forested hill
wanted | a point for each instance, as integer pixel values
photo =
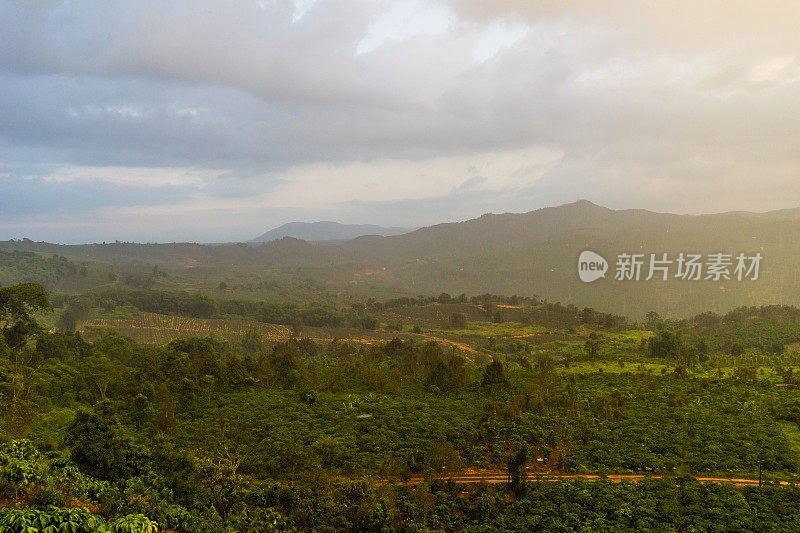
(537, 253)
(326, 231)
(495, 233)
(279, 252)
(528, 254)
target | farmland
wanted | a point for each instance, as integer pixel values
(294, 405)
(153, 328)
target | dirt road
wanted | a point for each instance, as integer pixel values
(469, 477)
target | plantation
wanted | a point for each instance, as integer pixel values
(152, 328)
(151, 422)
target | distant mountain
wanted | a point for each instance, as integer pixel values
(530, 254)
(327, 231)
(536, 253)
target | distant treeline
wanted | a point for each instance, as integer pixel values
(531, 310)
(445, 298)
(767, 329)
(17, 267)
(197, 305)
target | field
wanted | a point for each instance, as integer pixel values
(153, 328)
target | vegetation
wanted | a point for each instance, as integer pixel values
(241, 421)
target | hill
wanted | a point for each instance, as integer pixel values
(530, 254)
(326, 231)
(536, 253)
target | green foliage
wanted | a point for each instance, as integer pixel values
(369, 322)
(458, 320)
(55, 272)
(18, 304)
(51, 520)
(494, 376)
(134, 523)
(100, 445)
(767, 329)
(79, 520)
(20, 464)
(258, 435)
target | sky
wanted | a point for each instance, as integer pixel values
(216, 120)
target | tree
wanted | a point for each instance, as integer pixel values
(101, 371)
(494, 376)
(671, 345)
(744, 374)
(100, 446)
(253, 344)
(735, 349)
(141, 411)
(18, 304)
(776, 348)
(219, 481)
(368, 322)
(592, 347)
(448, 375)
(77, 309)
(517, 474)
(458, 320)
(653, 321)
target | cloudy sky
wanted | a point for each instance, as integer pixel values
(216, 120)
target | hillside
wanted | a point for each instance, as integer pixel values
(529, 254)
(326, 231)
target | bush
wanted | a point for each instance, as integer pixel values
(52, 519)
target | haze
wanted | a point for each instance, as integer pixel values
(214, 121)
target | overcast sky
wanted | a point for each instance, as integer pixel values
(217, 120)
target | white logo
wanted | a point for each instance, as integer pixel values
(591, 266)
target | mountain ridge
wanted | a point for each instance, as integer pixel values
(326, 231)
(530, 254)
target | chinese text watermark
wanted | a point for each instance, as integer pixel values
(716, 266)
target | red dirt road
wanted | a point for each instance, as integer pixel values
(498, 476)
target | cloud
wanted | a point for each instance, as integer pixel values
(300, 107)
(36, 196)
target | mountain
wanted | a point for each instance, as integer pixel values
(536, 253)
(326, 231)
(530, 254)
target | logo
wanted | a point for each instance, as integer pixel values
(717, 266)
(591, 266)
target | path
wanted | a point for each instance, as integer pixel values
(500, 476)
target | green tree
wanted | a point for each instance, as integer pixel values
(458, 320)
(18, 325)
(219, 481)
(494, 376)
(253, 344)
(592, 347)
(100, 446)
(101, 371)
(141, 411)
(517, 473)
